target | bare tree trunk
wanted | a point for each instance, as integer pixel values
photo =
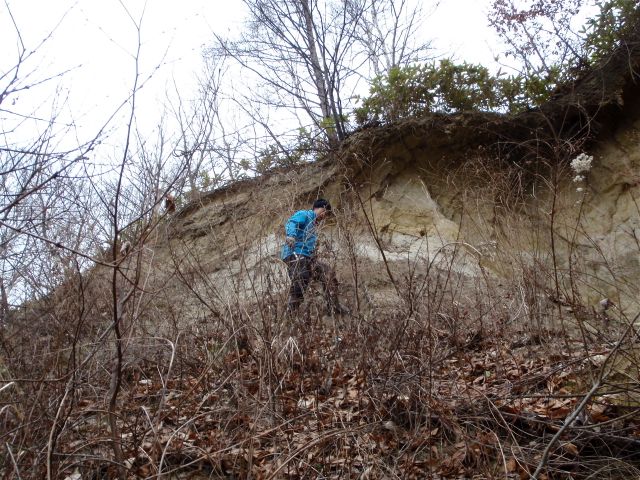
(318, 73)
(4, 301)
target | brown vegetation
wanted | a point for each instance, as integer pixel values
(473, 349)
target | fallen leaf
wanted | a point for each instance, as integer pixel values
(570, 448)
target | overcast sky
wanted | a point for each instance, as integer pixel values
(98, 40)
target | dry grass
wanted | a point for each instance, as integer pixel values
(436, 373)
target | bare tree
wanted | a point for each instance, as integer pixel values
(301, 52)
(207, 141)
(388, 32)
(539, 34)
(41, 203)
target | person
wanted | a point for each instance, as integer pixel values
(298, 253)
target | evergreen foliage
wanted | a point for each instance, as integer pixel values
(448, 87)
(613, 24)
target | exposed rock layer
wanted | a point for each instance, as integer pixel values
(481, 194)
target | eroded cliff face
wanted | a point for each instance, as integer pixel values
(431, 195)
(484, 199)
(602, 225)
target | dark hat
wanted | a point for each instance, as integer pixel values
(322, 203)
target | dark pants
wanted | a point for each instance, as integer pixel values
(301, 271)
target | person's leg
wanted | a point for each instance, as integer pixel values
(325, 274)
(300, 275)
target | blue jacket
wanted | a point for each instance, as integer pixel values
(302, 227)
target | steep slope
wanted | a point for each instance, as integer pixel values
(491, 331)
(429, 189)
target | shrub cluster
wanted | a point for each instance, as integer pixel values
(448, 87)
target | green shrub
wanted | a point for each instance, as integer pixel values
(614, 23)
(448, 87)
